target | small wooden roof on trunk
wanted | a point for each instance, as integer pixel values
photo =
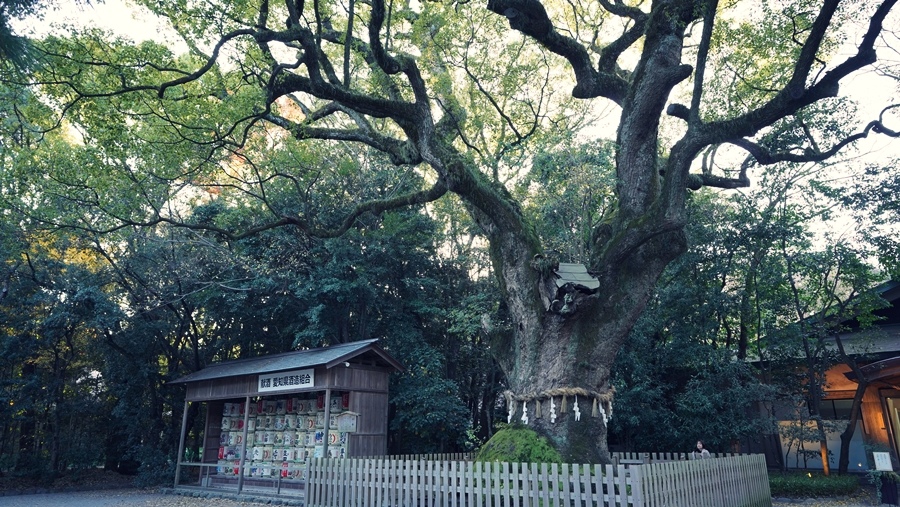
(364, 352)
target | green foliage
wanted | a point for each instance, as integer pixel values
(879, 478)
(15, 48)
(568, 192)
(429, 416)
(518, 444)
(734, 292)
(716, 403)
(808, 484)
(156, 468)
(671, 395)
(873, 200)
(753, 53)
(676, 378)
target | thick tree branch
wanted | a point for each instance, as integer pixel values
(696, 181)
(797, 84)
(709, 18)
(609, 55)
(388, 64)
(283, 83)
(213, 58)
(657, 72)
(399, 151)
(288, 83)
(530, 18)
(347, 38)
(368, 56)
(796, 95)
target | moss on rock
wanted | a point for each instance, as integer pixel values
(518, 444)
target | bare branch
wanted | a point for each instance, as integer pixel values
(209, 62)
(765, 157)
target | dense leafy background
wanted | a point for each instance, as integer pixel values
(105, 299)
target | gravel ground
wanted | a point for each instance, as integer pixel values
(865, 497)
(100, 488)
(824, 502)
(120, 498)
(159, 498)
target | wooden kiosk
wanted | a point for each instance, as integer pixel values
(266, 417)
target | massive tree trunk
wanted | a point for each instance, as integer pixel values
(567, 359)
(557, 359)
(560, 359)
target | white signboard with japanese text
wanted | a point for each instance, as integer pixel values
(286, 380)
(347, 422)
(882, 461)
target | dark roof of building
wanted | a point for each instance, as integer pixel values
(575, 274)
(878, 340)
(886, 371)
(889, 290)
(366, 351)
(883, 338)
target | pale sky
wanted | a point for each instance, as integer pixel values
(117, 16)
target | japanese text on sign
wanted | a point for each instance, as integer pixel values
(286, 380)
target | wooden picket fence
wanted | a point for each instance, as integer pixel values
(444, 456)
(386, 482)
(628, 458)
(730, 481)
(643, 458)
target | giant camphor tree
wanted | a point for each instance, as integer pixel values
(445, 90)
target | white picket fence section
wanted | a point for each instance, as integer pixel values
(740, 481)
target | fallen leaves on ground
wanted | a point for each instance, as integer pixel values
(865, 497)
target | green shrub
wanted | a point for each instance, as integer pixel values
(812, 484)
(518, 444)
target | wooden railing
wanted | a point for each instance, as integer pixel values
(388, 482)
(383, 483)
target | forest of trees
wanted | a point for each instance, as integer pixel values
(290, 179)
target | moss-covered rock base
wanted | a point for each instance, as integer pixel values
(518, 444)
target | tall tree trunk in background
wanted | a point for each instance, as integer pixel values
(28, 426)
(847, 434)
(814, 404)
(862, 383)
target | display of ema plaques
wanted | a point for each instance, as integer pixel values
(282, 433)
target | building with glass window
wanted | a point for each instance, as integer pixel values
(872, 373)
